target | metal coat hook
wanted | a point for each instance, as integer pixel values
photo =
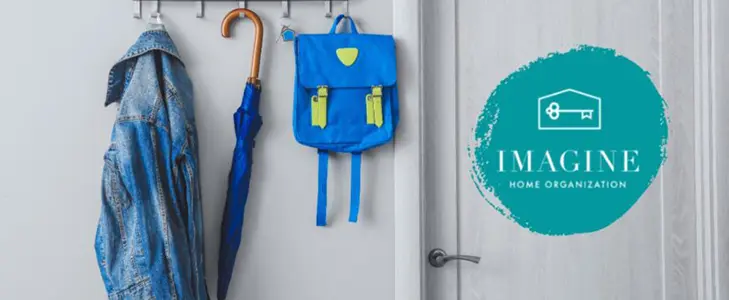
(328, 8)
(200, 9)
(155, 8)
(285, 6)
(346, 8)
(243, 4)
(137, 9)
(155, 20)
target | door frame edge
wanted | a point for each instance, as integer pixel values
(707, 195)
(409, 263)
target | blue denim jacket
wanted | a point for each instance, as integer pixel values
(149, 240)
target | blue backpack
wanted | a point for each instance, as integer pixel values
(345, 100)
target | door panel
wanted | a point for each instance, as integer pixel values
(650, 252)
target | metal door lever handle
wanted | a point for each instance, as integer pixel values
(438, 258)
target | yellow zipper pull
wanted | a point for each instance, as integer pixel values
(377, 105)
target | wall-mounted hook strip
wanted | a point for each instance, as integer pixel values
(242, 4)
(200, 5)
(285, 6)
(328, 8)
(137, 9)
(200, 9)
(155, 7)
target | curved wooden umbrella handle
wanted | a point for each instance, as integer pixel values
(225, 30)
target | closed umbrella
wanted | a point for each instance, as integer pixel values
(247, 123)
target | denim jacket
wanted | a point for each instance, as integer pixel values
(149, 240)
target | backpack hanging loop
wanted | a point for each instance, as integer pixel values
(258, 44)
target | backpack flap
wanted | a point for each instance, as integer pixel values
(345, 60)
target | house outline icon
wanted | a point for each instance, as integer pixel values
(540, 109)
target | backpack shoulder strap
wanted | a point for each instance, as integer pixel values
(321, 202)
(354, 186)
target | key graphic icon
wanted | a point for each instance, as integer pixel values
(553, 111)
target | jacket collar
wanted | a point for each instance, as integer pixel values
(152, 40)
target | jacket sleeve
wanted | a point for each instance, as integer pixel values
(118, 242)
(193, 217)
(182, 118)
(146, 174)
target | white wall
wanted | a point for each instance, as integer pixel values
(56, 55)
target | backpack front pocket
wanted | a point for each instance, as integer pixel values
(346, 116)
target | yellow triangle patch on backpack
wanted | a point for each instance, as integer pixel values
(347, 55)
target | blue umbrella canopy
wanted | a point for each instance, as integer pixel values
(247, 122)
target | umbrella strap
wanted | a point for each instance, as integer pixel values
(321, 203)
(354, 187)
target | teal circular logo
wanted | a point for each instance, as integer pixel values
(569, 142)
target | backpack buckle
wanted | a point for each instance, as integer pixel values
(374, 106)
(322, 91)
(319, 107)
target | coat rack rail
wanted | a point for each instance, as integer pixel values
(200, 5)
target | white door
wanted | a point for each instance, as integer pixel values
(650, 253)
